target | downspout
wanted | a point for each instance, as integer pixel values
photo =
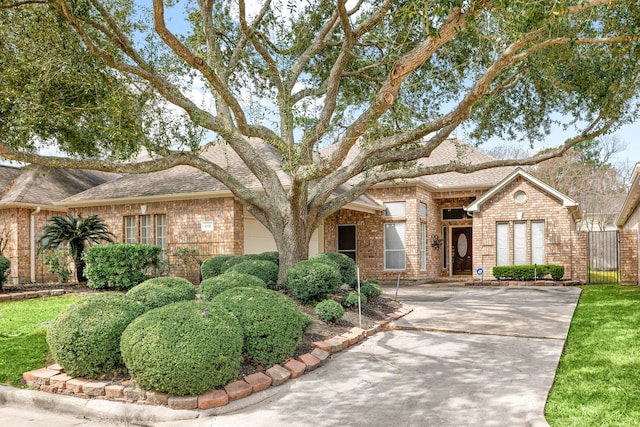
(32, 244)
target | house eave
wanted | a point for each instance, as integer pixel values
(20, 205)
(145, 199)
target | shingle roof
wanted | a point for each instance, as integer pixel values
(35, 185)
(185, 181)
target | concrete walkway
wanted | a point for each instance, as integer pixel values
(464, 357)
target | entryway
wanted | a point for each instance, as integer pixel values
(461, 250)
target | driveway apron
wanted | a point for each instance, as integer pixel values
(465, 356)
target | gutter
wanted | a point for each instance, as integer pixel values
(32, 244)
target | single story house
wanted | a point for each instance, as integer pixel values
(449, 225)
(28, 197)
(629, 220)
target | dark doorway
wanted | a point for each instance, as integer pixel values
(461, 251)
(347, 240)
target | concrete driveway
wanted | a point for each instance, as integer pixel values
(465, 356)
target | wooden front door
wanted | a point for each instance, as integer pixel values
(461, 250)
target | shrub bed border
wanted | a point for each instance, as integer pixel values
(53, 379)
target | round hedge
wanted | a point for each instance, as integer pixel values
(184, 348)
(346, 266)
(329, 311)
(213, 286)
(211, 267)
(272, 256)
(310, 281)
(371, 288)
(272, 324)
(265, 270)
(85, 338)
(159, 291)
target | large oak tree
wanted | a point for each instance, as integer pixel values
(383, 82)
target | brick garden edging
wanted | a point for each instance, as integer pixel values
(53, 379)
(477, 282)
(17, 296)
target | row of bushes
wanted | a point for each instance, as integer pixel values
(528, 272)
(172, 343)
(5, 265)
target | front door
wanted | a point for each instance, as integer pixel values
(461, 250)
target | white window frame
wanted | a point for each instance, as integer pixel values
(400, 231)
(520, 246)
(145, 230)
(423, 246)
(422, 211)
(538, 255)
(160, 229)
(395, 210)
(503, 243)
(130, 229)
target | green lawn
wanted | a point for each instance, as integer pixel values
(603, 276)
(23, 344)
(598, 380)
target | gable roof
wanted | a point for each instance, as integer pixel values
(40, 186)
(632, 199)
(567, 202)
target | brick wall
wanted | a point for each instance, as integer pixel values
(629, 257)
(562, 243)
(184, 220)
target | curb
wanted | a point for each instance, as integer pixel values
(151, 409)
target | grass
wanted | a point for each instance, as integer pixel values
(23, 345)
(598, 380)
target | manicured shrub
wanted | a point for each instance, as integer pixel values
(120, 266)
(272, 256)
(213, 286)
(5, 264)
(159, 291)
(211, 267)
(346, 266)
(266, 270)
(234, 260)
(310, 281)
(371, 288)
(85, 338)
(184, 348)
(528, 272)
(329, 311)
(271, 322)
(350, 299)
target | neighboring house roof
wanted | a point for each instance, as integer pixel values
(39, 186)
(632, 200)
(567, 202)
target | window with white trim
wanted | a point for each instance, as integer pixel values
(395, 252)
(130, 231)
(502, 243)
(395, 209)
(423, 246)
(145, 229)
(520, 255)
(161, 233)
(537, 242)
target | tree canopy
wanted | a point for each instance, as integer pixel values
(382, 82)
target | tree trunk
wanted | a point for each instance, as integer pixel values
(80, 264)
(292, 242)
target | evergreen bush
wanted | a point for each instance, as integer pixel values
(329, 311)
(528, 272)
(272, 323)
(119, 266)
(184, 348)
(310, 281)
(211, 267)
(346, 266)
(159, 291)
(350, 299)
(265, 270)
(5, 265)
(213, 286)
(371, 288)
(85, 338)
(272, 256)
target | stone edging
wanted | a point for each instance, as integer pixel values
(17, 296)
(53, 379)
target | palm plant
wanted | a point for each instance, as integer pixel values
(76, 233)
